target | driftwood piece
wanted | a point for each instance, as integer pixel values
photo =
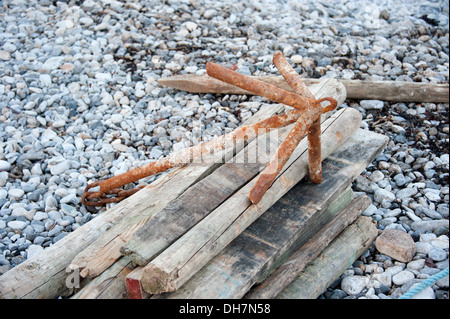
(333, 261)
(173, 267)
(277, 281)
(248, 259)
(393, 91)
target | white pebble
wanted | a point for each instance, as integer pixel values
(353, 285)
(15, 193)
(402, 277)
(17, 225)
(4, 165)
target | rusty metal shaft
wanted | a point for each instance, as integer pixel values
(257, 87)
(112, 185)
(314, 141)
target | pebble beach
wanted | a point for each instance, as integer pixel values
(80, 102)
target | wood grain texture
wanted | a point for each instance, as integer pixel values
(248, 258)
(333, 261)
(283, 275)
(173, 267)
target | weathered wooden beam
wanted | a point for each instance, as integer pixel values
(288, 271)
(333, 261)
(393, 91)
(271, 239)
(174, 266)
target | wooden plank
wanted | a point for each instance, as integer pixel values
(393, 91)
(333, 261)
(102, 253)
(244, 261)
(283, 275)
(181, 260)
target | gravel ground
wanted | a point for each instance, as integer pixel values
(79, 101)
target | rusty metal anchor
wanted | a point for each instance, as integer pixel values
(305, 115)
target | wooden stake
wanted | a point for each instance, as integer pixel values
(392, 91)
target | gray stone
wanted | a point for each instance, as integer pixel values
(50, 203)
(69, 210)
(396, 244)
(34, 250)
(437, 254)
(5, 55)
(60, 168)
(17, 224)
(55, 215)
(55, 230)
(53, 63)
(402, 277)
(15, 193)
(416, 264)
(40, 216)
(3, 178)
(423, 247)
(429, 225)
(381, 195)
(4, 165)
(353, 285)
(406, 193)
(372, 104)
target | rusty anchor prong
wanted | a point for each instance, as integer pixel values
(309, 122)
(305, 116)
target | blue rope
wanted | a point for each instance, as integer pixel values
(424, 284)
